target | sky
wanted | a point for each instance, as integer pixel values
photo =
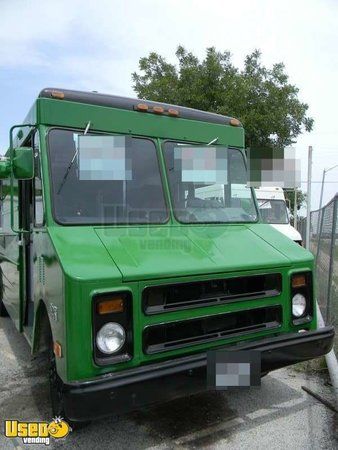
(96, 45)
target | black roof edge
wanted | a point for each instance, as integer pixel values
(115, 101)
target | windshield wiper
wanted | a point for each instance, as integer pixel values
(213, 141)
(70, 165)
(262, 204)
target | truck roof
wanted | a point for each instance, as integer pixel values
(269, 189)
(115, 101)
(269, 192)
(65, 108)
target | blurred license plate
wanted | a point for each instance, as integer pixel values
(233, 369)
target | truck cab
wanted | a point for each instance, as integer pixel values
(118, 261)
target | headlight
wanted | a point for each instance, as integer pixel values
(110, 338)
(298, 305)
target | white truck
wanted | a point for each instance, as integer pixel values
(273, 209)
(271, 203)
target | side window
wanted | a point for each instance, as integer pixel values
(37, 185)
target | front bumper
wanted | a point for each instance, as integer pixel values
(163, 381)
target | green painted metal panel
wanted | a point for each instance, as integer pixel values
(82, 254)
(159, 252)
(49, 288)
(68, 114)
(295, 252)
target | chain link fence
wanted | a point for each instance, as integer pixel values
(324, 246)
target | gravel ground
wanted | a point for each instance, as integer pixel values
(279, 415)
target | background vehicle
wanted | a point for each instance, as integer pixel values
(112, 259)
(273, 209)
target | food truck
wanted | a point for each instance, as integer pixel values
(114, 264)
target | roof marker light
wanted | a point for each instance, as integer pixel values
(173, 112)
(142, 107)
(235, 122)
(158, 110)
(57, 94)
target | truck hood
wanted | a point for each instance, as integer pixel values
(154, 252)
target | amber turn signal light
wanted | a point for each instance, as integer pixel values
(114, 305)
(298, 281)
(57, 349)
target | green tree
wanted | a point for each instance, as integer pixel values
(263, 99)
(290, 195)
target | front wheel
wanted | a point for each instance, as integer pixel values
(56, 396)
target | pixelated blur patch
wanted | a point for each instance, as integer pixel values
(203, 165)
(277, 167)
(104, 158)
(227, 370)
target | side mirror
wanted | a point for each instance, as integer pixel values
(23, 163)
(5, 167)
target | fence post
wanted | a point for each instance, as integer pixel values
(295, 210)
(321, 214)
(308, 206)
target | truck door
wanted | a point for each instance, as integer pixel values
(17, 246)
(10, 253)
(25, 208)
(32, 211)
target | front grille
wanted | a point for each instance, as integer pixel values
(173, 335)
(157, 299)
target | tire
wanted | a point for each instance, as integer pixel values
(56, 397)
(3, 310)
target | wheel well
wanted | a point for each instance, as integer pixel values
(42, 329)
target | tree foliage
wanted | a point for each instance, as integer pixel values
(263, 99)
(301, 199)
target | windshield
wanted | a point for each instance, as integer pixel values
(114, 180)
(273, 211)
(208, 184)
